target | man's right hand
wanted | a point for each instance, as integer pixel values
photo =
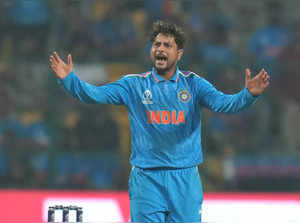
(60, 68)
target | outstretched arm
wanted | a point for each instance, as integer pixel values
(217, 101)
(60, 68)
(112, 93)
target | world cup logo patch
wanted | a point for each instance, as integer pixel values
(184, 96)
(147, 98)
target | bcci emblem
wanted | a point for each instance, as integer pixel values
(147, 98)
(184, 96)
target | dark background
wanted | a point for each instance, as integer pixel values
(48, 140)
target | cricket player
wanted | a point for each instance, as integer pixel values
(164, 106)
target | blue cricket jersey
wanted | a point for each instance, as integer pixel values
(165, 115)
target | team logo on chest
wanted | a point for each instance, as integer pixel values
(147, 98)
(184, 96)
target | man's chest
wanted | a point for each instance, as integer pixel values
(164, 103)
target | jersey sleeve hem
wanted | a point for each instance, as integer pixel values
(66, 78)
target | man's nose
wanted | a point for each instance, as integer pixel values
(161, 48)
(160, 51)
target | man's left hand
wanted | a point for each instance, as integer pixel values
(258, 83)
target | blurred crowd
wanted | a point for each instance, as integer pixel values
(48, 140)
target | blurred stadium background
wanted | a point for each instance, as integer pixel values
(50, 141)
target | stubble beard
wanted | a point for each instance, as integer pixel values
(163, 71)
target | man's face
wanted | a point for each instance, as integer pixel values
(164, 53)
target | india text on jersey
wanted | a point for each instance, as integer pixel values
(165, 117)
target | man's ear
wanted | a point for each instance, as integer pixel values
(180, 53)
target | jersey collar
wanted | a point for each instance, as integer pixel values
(159, 78)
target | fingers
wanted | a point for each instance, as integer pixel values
(262, 73)
(56, 56)
(70, 62)
(265, 76)
(248, 74)
(53, 63)
(54, 59)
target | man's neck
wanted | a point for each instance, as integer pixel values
(167, 74)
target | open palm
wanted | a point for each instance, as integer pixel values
(258, 83)
(60, 68)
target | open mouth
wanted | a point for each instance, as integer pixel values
(161, 58)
